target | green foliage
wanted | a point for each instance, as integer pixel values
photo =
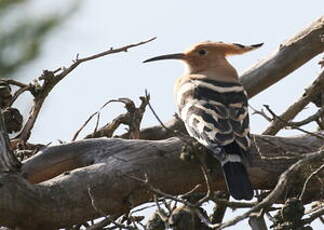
(23, 32)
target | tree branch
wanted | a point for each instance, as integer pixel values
(314, 117)
(51, 78)
(314, 216)
(294, 109)
(292, 54)
(107, 167)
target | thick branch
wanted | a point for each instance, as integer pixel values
(109, 162)
(292, 54)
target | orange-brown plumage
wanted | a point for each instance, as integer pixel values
(213, 106)
(209, 59)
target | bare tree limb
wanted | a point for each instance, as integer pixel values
(51, 78)
(309, 119)
(132, 118)
(290, 55)
(106, 167)
(261, 113)
(294, 109)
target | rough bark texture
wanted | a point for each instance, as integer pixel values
(112, 163)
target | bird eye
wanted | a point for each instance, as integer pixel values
(202, 52)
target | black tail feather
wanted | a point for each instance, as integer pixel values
(237, 180)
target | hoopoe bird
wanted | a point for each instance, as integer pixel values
(213, 106)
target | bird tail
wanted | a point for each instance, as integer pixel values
(237, 180)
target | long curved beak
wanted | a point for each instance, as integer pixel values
(180, 56)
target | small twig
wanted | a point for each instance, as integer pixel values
(294, 109)
(101, 212)
(18, 93)
(180, 135)
(51, 78)
(286, 123)
(16, 83)
(164, 217)
(112, 51)
(58, 70)
(133, 118)
(261, 112)
(93, 203)
(313, 216)
(309, 119)
(191, 191)
(147, 95)
(89, 119)
(295, 156)
(287, 155)
(203, 218)
(158, 191)
(75, 136)
(301, 196)
(97, 123)
(208, 185)
(319, 205)
(192, 206)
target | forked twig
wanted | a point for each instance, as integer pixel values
(50, 80)
(287, 124)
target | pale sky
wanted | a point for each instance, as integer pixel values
(100, 24)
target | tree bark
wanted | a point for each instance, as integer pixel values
(107, 178)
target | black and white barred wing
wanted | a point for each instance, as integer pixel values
(215, 114)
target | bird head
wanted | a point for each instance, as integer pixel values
(207, 55)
